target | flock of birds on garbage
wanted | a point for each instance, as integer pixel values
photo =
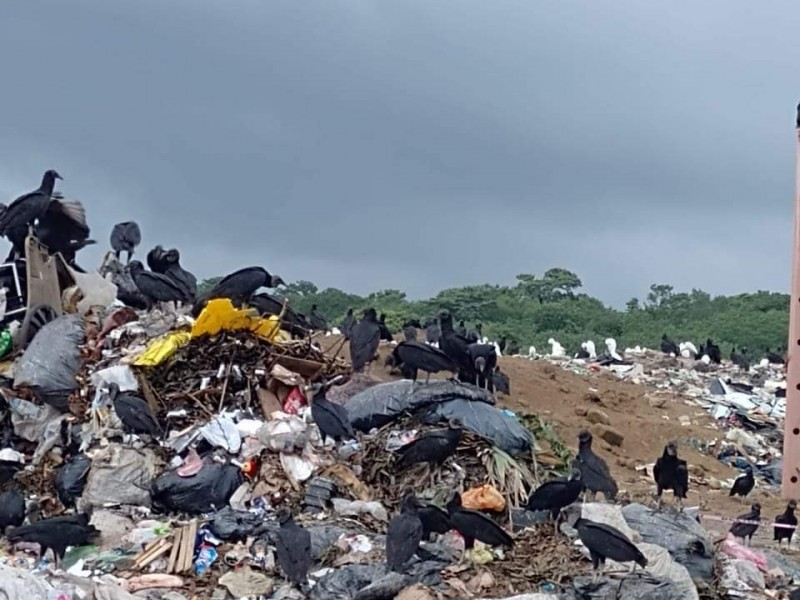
(61, 226)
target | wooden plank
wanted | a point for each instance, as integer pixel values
(176, 546)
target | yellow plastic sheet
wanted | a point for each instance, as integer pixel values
(162, 348)
(220, 315)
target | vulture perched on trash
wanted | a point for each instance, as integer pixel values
(12, 507)
(473, 525)
(415, 356)
(125, 237)
(668, 346)
(603, 542)
(63, 228)
(57, 534)
(595, 474)
(404, 533)
(556, 495)
(22, 213)
(269, 305)
(365, 337)
(239, 287)
(434, 518)
(134, 412)
(331, 418)
(745, 531)
(347, 324)
(433, 447)
(156, 261)
(671, 473)
(484, 360)
(183, 278)
(318, 322)
(293, 548)
(155, 286)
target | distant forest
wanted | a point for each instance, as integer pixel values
(551, 305)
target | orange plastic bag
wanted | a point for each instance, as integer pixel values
(485, 497)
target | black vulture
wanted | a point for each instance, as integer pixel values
(456, 347)
(713, 352)
(501, 381)
(127, 290)
(512, 348)
(347, 323)
(317, 321)
(671, 473)
(744, 483)
(786, 518)
(582, 353)
(57, 534)
(9, 468)
(365, 337)
(473, 525)
(434, 518)
(331, 418)
(416, 356)
(134, 412)
(63, 228)
(19, 216)
(484, 359)
(462, 329)
(155, 286)
(745, 531)
(403, 534)
(239, 286)
(603, 542)
(386, 335)
(183, 278)
(433, 447)
(124, 238)
(293, 548)
(594, 471)
(268, 305)
(668, 346)
(773, 358)
(409, 332)
(12, 507)
(555, 495)
(156, 261)
(433, 332)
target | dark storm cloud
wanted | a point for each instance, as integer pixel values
(418, 145)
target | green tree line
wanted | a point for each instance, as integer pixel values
(537, 308)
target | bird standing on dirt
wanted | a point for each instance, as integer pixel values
(433, 332)
(155, 287)
(386, 335)
(484, 360)
(713, 352)
(365, 337)
(774, 358)
(404, 534)
(57, 534)
(421, 357)
(457, 348)
(347, 323)
(331, 418)
(671, 473)
(473, 525)
(18, 217)
(595, 474)
(603, 542)
(501, 381)
(293, 548)
(125, 237)
(134, 412)
(318, 322)
(745, 531)
(668, 346)
(743, 484)
(556, 495)
(786, 518)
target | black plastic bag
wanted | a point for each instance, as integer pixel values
(205, 492)
(71, 479)
(233, 525)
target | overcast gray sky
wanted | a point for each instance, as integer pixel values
(367, 144)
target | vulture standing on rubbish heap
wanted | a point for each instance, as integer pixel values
(269, 305)
(773, 358)
(63, 228)
(415, 356)
(180, 276)
(434, 518)
(9, 468)
(12, 507)
(365, 337)
(156, 261)
(603, 542)
(556, 495)
(594, 470)
(433, 447)
(134, 412)
(501, 381)
(743, 484)
(786, 518)
(404, 533)
(671, 473)
(125, 237)
(386, 335)
(17, 218)
(318, 322)
(456, 347)
(293, 548)
(57, 534)
(473, 525)
(331, 418)
(668, 346)
(745, 531)
(713, 352)
(484, 360)
(347, 323)
(155, 286)
(239, 286)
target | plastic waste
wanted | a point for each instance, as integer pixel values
(740, 576)
(207, 491)
(220, 315)
(632, 587)
(294, 401)
(221, 432)
(119, 475)
(119, 374)
(30, 420)
(205, 558)
(284, 434)
(485, 497)
(232, 525)
(162, 348)
(246, 583)
(357, 507)
(51, 361)
(71, 479)
(731, 547)
(297, 468)
(6, 341)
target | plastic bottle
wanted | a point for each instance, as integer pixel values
(205, 558)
